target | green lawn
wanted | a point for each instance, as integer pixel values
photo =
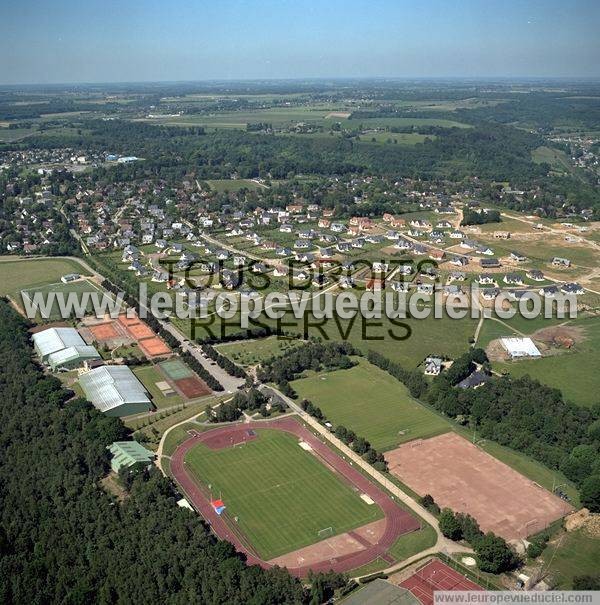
(251, 352)
(371, 403)
(281, 494)
(149, 375)
(232, 184)
(556, 158)
(16, 275)
(572, 554)
(490, 330)
(78, 287)
(541, 252)
(445, 336)
(575, 372)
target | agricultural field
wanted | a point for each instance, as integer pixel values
(279, 117)
(557, 159)
(9, 135)
(252, 352)
(281, 495)
(399, 138)
(371, 403)
(17, 275)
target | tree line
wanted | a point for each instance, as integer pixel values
(224, 362)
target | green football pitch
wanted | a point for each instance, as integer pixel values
(371, 403)
(281, 495)
(78, 288)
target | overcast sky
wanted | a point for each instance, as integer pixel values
(149, 40)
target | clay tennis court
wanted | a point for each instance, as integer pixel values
(192, 387)
(107, 332)
(103, 332)
(154, 347)
(367, 544)
(435, 575)
(140, 331)
(127, 321)
(463, 477)
(148, 341)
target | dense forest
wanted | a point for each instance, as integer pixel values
(64, 540)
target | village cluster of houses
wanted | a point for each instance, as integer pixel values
(174, 219)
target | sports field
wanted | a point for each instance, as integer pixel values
(232, 184)
(175, 369)
(461, 476)
(281, 495)
(152, 379)
(16, 275)
(435, 575)
(371, 403)
(54, 312)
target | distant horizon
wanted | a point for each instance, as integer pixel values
(309, 79)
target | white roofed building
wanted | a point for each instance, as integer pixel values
(115, 390)
(72, 357)
(52, 340)
(520, 347)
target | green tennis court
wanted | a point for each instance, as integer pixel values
(175, 369)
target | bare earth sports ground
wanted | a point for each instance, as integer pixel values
(464, 478)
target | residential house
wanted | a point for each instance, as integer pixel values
(513, 279)
(517, 257)
(549, 291)
(490, 293)
(572, 288)
(535, 275)
(486, 278)
(433, 366)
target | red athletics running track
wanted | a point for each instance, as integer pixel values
(397, 521)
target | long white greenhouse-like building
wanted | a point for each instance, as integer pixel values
(63, 348)
(115, 390)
